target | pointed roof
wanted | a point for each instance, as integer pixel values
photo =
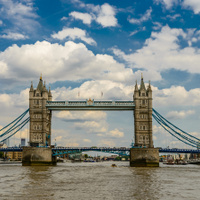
(40, 84)
(149, 87)
(136, 86)
(44, 87)
(50, 95)
(31, 88)
(142, 86)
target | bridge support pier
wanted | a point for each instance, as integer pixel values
(33, 156)
(144, 157)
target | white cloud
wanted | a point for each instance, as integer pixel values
(102, 14)
(81, 116)
(180, 114)
(192, 4)
(162, 52)
(1, 22)
(106, 16)
(73, 33)
(167, 3)
(85, 17)
(157, 26)
(115, 133)
(176, 96)
(14, 36)
(70, 61)
(21, 15)
(92, 126)
(144, 17)
(94, 89)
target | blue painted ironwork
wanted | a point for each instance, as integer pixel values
(175, 126)
(69, 150)
(17, 119)
(171, 132)
(22, 125)
(90, 105)
(179, 135)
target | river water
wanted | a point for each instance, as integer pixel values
(90, 181)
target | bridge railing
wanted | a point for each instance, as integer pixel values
(91, 104)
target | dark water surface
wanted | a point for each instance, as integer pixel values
(77, 181)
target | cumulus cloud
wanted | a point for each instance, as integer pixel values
(99, 89)
(102, 14)
(162, 51)
(192, 4)
(70, 61)
(106, 16)
(179, 114)
(73, 33)
(144, 17)
(84, 17)
(176, 96)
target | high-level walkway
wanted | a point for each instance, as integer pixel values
(90, 105)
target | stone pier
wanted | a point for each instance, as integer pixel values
(144, 157)
(33, 156)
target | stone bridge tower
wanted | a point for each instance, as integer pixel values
(143, 154)
(40, 116)
(143, 115)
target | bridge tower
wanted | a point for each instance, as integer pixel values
(143, 153)
(143, 115)
(40, 128)
(40, 116)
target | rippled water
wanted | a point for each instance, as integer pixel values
(77, 181)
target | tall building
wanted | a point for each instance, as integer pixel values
(23, 142)
(40, 116)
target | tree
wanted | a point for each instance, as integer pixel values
(1, 154)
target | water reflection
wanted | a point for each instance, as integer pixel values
(39, 183)
(146, 183)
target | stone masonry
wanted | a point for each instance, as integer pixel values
(40, 116)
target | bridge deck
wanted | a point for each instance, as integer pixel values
(103, 149)
(90, 105)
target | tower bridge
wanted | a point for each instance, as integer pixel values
(41, 107)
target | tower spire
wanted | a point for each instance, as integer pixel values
(142, 86)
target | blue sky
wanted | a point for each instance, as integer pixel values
(89, 47)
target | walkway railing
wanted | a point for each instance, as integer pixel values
(90, 105)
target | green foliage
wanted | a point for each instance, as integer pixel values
(85, 156)
(1, 154)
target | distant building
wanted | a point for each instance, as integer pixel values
(3, 145)
(14, 155)
(7, 142)
(23, 142)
